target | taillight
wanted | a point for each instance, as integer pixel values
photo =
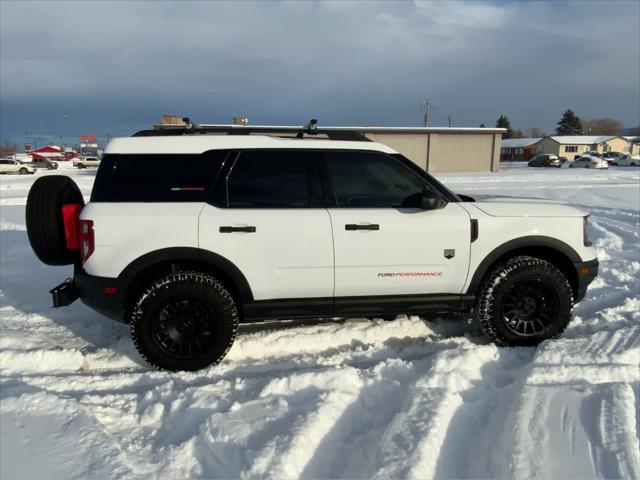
(87, 240)
(70, 216)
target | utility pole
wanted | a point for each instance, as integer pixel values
(427, 106)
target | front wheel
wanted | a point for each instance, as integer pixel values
(184, 322)
(523, 302)
(23, 171)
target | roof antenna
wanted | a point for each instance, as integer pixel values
(310, 128)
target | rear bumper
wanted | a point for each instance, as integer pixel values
(104, 295)
(586, 271)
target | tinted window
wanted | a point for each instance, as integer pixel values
(273, 178)
(361, 179)
(156, 178)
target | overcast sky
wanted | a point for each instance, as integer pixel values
(115, 67)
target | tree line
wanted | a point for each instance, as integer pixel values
(569, 124)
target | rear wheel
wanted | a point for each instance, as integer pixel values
(184, 322)
(523, 302)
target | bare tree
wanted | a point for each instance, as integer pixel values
(8, 149)
(536, 132)
(603, 126)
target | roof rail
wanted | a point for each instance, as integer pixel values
(309, 130)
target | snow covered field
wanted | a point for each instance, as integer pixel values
(351, 399)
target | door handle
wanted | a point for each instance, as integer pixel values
(228, 229)
(353, 226)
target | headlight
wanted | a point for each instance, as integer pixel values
(585, 231)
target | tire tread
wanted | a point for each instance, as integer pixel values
(486, 301)
(190, 277)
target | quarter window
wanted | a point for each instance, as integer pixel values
(361, 180)
(156, 178)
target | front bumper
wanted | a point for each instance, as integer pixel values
(104, 295)
(586, 272)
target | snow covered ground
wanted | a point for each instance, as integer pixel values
(355, 398)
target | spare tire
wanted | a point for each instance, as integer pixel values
(45, 222)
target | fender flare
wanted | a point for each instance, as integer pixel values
(517, 244)
(195, 254)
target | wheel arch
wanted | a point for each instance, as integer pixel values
(558, 253)
(150, 266)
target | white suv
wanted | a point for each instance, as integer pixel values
(8, 165)
(186, 235)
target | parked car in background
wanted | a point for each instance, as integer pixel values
(611, 157)
(592, 153)
(8, 165)
(84, 162)
(43, 163)
(589, 161)
(545, 160)
(627, 161)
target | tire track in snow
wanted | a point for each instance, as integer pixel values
(410, 444)
(345, 452)
(481, 425)
(580, 432)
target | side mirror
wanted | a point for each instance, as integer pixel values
(432, 201)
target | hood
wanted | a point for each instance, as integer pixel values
(526, 207)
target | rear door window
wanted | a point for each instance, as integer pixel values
(274, 179)
(156, 178)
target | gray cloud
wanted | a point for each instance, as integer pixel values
(116, 66)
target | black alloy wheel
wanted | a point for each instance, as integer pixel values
(184, 321)
(524, 301)
(183, 327)
(530, 307)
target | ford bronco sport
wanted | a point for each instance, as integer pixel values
(191, 231)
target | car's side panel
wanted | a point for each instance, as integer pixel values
(412, 251)
(289, 255)
(126, 231)
(564, 235)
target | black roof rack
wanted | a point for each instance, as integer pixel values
(311, 129)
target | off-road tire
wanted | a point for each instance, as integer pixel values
(144, 320)
(488, 310)
(45, 225)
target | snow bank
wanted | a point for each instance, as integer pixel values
(351, 399)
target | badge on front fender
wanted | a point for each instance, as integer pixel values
(449, 253)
